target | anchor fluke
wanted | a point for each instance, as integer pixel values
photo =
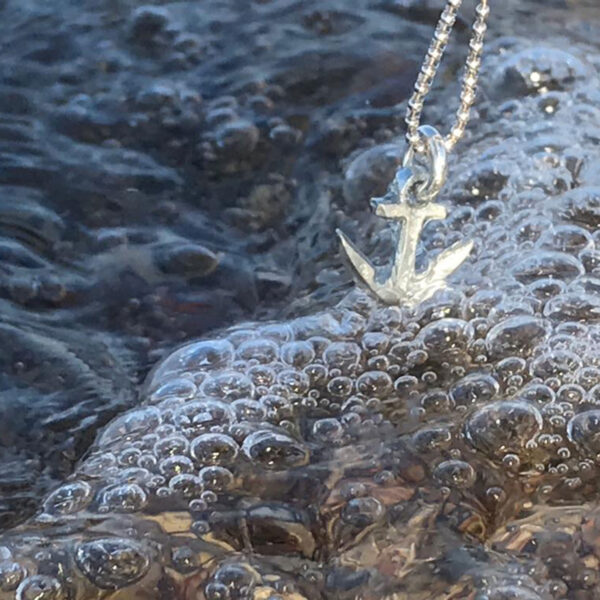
(360, 262)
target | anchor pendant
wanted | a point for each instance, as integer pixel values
(398, 283)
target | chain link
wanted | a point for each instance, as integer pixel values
(429, 70)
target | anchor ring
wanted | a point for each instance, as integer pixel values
(432, 166)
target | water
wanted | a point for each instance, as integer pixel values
(353, 452)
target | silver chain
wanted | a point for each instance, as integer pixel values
(429, 69)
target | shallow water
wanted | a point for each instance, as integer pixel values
(173, 169)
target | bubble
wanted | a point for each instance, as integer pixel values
(584, 431)
(214, 449)
(511, 592)
(209, 355)
(538, 70)
(455, 474)
(178, 388)
(202, 415)
(216, 478)
(41, 587)
(328, 430)
(503, 427)
(297, 354)
(544, 289)
(261, 375)
(446, 339)
(184, 559)
(362, 512)
(432, 438)
(555, 363)
(186, 485)
(174, 465)
(516, 336)
(375, 383)
(545, 265)
(112, 563)
(511, 461)
(342, 355)
(277, 407)
(69, 498)
(262, 350)
(476, 387)
(127, 497)
(170, 446)
(340, 387)
(248, 410)
(11, 575)
(296, 382)
(229, 385)
(236, 579)
(573, 306)
(437, 401)
(273, 450)
(131, 425)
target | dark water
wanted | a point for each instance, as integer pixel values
(177, 168)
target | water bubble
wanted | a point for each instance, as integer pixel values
(11, 575)
(503, 427)
(214, 449)
(174, 465)
(511, 592)
(177, 388)
(375, 383)
(362, 512)
(584, 431)
(455, 473)
(261, 350)
(69, 498)
(516, 336)
(229, 385)
(555, 363)
(202, 415)
(170, 446)
(297, 382)
(216, 478)
(261, 375)
(277, 407)
(205, 356)
(127, 497)
(342, 355)
(328, 430)
(184, 559)
(545, 265)
(41, 587)
(131, 425)
(274, 450)
(476, 387)
(446, 339)
(186, 485)
(237, 578)
(340, 387)
(297, 354)
(248, 410)
(432, 438)
(112, 563)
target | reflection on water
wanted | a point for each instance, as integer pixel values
(172, 168)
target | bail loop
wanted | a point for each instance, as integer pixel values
(432, 165)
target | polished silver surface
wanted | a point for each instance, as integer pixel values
(413, 190)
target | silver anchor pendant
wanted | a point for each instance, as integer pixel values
(398, 283)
